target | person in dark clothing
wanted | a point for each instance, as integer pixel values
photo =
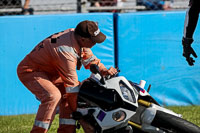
(26, 10)
(15, 4)
(191, 20)
(154, 4)
(103, 3)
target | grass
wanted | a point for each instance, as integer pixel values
(23, 123)
(189, 113)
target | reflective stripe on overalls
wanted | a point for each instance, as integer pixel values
(68, 121)
(65, 121)
(87, 61)
(72, 89)
(42, 124)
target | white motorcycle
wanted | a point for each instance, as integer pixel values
(116, 105)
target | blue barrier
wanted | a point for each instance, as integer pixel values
(149, 48)
(19, 34)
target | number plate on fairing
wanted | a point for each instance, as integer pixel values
(101, 115)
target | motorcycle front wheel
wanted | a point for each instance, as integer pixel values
(173, 124)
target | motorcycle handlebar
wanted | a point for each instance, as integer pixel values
(112, 76)
(95, 69)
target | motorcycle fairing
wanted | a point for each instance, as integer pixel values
(96, 95)
(115, 83)
(106, 98)
(107, 122)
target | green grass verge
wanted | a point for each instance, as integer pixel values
(189, 113)
(23, 123)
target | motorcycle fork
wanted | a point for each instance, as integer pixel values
(144, 103)
(135, 125)
(147, 126)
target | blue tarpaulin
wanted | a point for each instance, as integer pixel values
(19, 35)
(149, 48)
(145, 46)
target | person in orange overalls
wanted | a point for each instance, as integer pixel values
(49, 72)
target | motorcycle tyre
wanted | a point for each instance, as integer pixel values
(136, 130)
(173, 123)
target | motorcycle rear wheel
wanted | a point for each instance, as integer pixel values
(173, 124)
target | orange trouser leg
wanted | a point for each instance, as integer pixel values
(38, 130)
(67, 106)
(49, 95)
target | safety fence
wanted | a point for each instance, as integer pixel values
(15, 7)
(144, 45)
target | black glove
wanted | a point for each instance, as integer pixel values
(188, 50)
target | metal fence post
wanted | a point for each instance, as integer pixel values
(78, 6)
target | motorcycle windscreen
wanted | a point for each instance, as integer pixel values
(96, 95)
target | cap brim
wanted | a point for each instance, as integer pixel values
(99, 38)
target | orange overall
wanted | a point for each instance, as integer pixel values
(49, 72)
